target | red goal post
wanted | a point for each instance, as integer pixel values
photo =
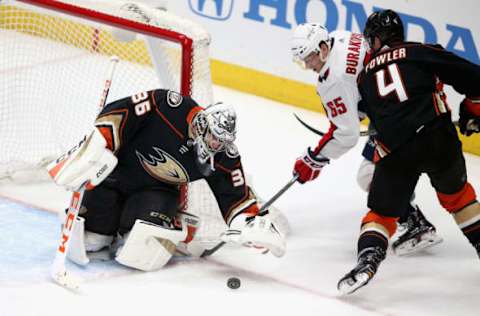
(131, 25)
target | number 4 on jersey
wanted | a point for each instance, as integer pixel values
(396, 85)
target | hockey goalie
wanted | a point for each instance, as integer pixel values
(134, 163)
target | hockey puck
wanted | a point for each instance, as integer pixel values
(233, 283)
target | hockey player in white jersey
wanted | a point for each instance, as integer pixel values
(338, 59)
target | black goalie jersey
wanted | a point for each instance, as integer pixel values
(149, 133)
(401, 89)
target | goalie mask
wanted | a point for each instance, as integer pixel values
(214, 131)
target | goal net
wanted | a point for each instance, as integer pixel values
(54, 59)
(54, 56)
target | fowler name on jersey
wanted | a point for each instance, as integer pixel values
(387, 57)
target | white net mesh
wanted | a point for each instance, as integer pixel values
(53, 67)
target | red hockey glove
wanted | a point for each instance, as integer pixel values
(308, 166)
(469, 121)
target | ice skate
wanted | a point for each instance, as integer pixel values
(419, 234)
(368, 261)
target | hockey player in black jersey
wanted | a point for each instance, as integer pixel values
(142, 151)
(415, 135)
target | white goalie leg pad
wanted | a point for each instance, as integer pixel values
(148, 246)
(365, 174)
(83, 242)
(259, 231)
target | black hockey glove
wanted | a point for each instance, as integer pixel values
(469, 121)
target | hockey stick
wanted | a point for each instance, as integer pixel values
(370, 132)
(59, 272)
(262, 211)
(316, 131)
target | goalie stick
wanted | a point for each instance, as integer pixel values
(262, 211)
(59, 273)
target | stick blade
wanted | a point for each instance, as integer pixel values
(66, 280)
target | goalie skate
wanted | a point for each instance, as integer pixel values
(419, 234)
(368, 261)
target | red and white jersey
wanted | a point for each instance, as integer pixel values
(337, 88)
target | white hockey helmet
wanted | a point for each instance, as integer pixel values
(215, 129)
(307, 38)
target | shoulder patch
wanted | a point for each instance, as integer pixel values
(232, 151)
(325, 76)
(174, 99)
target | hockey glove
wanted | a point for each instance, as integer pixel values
(259, 232)
(469, 121)
(308, 166)
(89, 162)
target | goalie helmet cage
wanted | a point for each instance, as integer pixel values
(53, 60)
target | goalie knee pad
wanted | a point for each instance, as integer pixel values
(148, 247)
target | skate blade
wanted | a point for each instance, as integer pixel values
(345, 287)
(412, 246)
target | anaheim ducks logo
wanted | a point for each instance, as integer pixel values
(163, 167)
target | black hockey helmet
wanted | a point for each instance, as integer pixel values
(386, 25)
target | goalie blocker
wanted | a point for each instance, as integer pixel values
(162, 141)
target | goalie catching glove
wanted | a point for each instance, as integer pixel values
(256, 231)
(89, 162)
(308, 166)
(469, 121)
